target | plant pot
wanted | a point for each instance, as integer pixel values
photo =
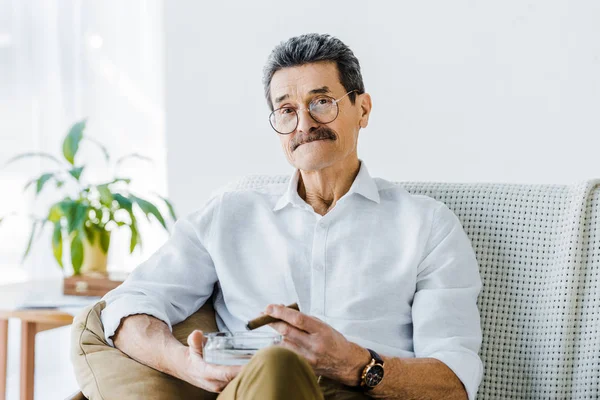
(94, 259)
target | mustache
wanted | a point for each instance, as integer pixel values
(321, 133)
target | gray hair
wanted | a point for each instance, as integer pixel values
(310, 48)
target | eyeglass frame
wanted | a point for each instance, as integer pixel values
(335, 101)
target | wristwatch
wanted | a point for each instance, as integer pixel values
(372, 374)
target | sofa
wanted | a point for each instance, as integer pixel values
(538, 248)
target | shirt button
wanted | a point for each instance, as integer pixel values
(318, 267)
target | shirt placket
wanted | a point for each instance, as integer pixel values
(318, 267)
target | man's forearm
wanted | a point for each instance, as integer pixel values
(148, 340)
(418, 379)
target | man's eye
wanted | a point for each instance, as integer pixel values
(285, 111)
(321, 102)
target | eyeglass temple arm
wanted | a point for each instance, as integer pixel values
(337, 100)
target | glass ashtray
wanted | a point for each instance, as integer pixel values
(236, 348)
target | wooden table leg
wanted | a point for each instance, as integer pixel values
(3, 357)
(28, 331)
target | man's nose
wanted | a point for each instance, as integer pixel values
(306, 123)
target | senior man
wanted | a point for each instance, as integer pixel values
(387, 282)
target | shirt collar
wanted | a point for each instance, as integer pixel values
(363, 185)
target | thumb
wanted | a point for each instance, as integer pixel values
(195, 340)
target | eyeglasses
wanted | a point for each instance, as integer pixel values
(323, 109)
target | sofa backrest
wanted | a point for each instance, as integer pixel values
(538, 248)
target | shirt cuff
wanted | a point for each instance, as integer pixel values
(466, 366)
(120, 308)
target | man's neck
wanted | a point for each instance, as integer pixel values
(321, 189)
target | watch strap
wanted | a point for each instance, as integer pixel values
(376, 357)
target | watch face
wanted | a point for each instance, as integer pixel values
(374, 375)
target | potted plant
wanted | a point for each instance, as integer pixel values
(86, 218)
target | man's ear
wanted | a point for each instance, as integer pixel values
(365, 109)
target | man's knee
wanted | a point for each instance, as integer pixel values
(276, 372)
(277, 361)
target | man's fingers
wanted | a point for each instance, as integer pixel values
(291, 333)
(195, 340)
(224, 373)
(291, 346)
(214, 386)
(294, 318)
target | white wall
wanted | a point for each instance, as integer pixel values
(505, 91)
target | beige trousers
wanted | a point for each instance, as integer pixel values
(278, 373)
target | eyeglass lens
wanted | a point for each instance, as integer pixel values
(322, 109)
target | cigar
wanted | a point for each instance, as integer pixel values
(267, 319)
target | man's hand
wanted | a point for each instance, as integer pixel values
(325, 349)
(207, 376)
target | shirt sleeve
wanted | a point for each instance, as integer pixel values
(446, 324)
(173, 283)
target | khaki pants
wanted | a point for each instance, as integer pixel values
(278, 373)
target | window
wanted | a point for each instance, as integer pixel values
(62, 61)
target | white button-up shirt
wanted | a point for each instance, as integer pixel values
(391, 271)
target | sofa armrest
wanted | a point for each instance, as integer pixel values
(104, 372)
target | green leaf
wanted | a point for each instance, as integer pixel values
(134, 155)
(89, 234)
(136, 240)
(33, 154)
(39, 182)
(71, 142)
(76, 254)
(126, 180)
(31, 182)
(99, 214)
(57, 243)
(76, 172)
(124, 202)
(127, 204)
(106, 196)
(77, 217)
(135, 236)
(66, 206)
(104, 240)
(55, 213)
(149, 208)
(169, 206)
(42, 181)
(30, 241)
(102, 147)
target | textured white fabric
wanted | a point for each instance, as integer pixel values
(392, 271)
(538, 248)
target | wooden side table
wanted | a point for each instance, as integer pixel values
(41, 294)
(32, 322)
